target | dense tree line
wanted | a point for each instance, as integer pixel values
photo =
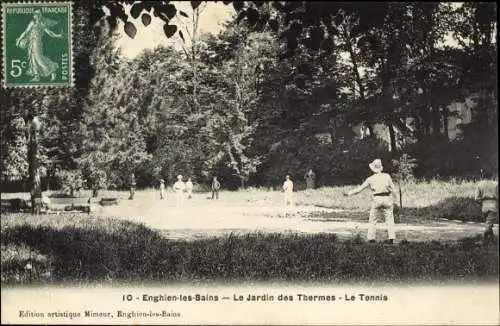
(279, 90)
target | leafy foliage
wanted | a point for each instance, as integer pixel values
(15, 164)
(282, 88)
(404, 167)
(111, 131)
(70, 181)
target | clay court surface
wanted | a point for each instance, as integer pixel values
(201, 217)
(261, 211)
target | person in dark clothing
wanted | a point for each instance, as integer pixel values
(310, 177)
(487, 196)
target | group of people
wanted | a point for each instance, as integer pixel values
(309, 177)
(384, 196)
(383, 192)
(182, 189)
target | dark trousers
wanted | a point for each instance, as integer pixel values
(215, 193)
(490, 217)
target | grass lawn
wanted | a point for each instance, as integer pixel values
(77, 247)
(422, 201)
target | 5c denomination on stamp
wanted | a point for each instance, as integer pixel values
(37, 44)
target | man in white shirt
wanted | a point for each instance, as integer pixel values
(288, 190)
(162, 189)
(384, 195)
(179, 187)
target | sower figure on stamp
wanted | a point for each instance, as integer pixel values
(487, 195)
(215, 188)
(288, 190)
(310, 177)
(384, 195)
(32, 40)
(162, 189)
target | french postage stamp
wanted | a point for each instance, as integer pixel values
(37, 44)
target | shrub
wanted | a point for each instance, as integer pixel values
(70, 180)
(97, 180)
(404, 168)
(462, 158)
(337, 164)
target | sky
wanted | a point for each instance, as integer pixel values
(212, 18)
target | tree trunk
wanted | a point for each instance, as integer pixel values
(332, 143)
(436, 120)
(418, 128)
(400, 196)
(35, 184)
(196, 17)
(242, 182)
(370, 130)
(357, 75)
(354, 65)
(195, 83)
(392, 136)
(445, 124)
(424, 114)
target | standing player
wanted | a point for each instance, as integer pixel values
(162, 189)
(382, 188)
(132, 186)
(179, 188)
(215, 188)
(310, 176)
(189, 188)
(288, 189)
(487, 195)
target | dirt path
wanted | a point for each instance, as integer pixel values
(199, 217)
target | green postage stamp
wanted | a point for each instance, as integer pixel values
(37, 44)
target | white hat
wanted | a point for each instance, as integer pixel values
(376, 165)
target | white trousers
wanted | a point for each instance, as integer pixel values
(288, 198)
(381, 206)
(179, 196)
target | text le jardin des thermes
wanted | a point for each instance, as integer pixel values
(364, 297)
(258, 297)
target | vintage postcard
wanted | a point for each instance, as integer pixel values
(249, 162)
(37, 44)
